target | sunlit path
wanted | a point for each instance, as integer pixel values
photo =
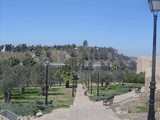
(84, 109)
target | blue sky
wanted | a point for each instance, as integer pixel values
(123, 24)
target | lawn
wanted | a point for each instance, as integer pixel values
(112, 90)
(31, 101)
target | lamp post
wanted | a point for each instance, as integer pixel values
(91, 84)
(46, 61)
(155, 7)
(98, 84)
(73, 88)
(88, 82)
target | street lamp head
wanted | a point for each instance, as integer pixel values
(47, 61)
(154, 5)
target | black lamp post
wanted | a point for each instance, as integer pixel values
(98, 84)
(88, 82)
(91, 84)
(155, 7)
(73, 88)
(46, 61)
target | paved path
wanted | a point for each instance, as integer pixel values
(57, 114)
(84, 109)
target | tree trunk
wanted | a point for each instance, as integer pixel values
(27, 84)
(102, 84)
(60, 82)
(43, 90)
(7, 96)
(67, 84)
(22, 90)
(106, 84)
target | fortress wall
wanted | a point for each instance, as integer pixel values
(148, 78)
(144, 64)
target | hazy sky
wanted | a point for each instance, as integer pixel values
(123, 24)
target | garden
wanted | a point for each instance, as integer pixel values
(31, 101)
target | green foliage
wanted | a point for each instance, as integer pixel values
(135, 78)
(31, 101)
(20, 75)
(13, 61)
(142, 109)
(113, 90)
(7, 81)
(38, 74)
(67, 74)
(27, 108)
(28, 61)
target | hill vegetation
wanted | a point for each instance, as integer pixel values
(64, 53)
(23, 74)
(22, 66)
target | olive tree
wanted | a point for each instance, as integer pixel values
(38, 76)
(6, 80)
(20, 76)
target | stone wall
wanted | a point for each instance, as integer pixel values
(144, 64)
(148, 78)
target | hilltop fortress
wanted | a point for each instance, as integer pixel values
(144, 64)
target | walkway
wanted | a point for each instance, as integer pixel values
(84, 109)
(57, 114)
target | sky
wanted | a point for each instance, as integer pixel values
(126, 25)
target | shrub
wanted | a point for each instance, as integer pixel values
(27, 108)
(114, 90)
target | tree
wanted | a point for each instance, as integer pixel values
(58, 75)
(119, 76)
(96, 55)
(72, 62)
(85, 43)
(51, 75)
(28, 61)
(6, 81)
(21, 76)
(13, 61)
(106, 77)
(132, 77)
(38, 50)
(21, 48)
(67, 74)
(132, 65)
(9, 47)
(73, 52)
(38, 75)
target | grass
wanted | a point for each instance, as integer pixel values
(31, 101)
(143, 108)
(113, 90)
(61, 97)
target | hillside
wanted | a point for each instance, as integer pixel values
(85, 55)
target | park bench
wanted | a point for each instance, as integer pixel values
(108, 101)
(138, 90)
